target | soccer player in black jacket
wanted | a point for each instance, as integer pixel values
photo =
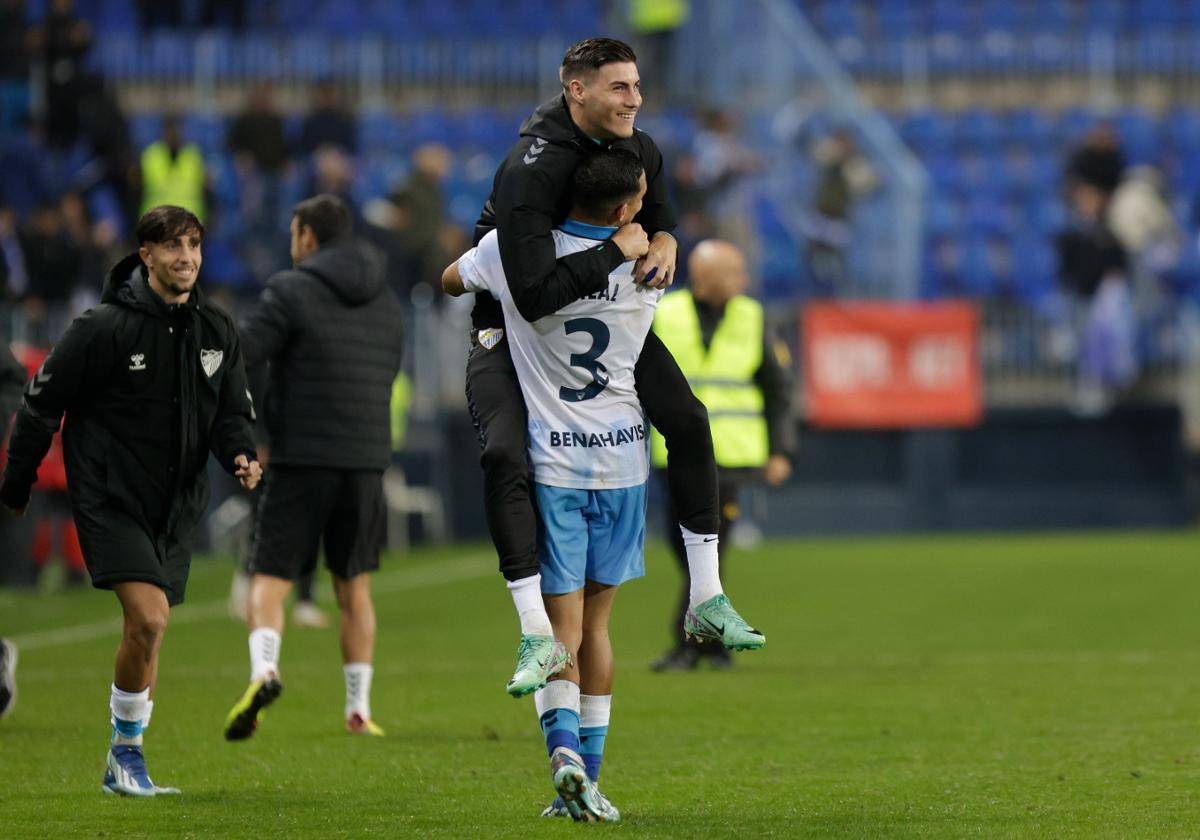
(150, 381)
(601, 97)
(329, 329)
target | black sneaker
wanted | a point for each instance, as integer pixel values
(246, 713)
(677, 659)
(8, 677)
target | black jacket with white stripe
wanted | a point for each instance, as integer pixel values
(148, 389)
(531, 194)
(331, 331)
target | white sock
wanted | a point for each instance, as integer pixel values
(558, 694)
(531, 609)
(704, 573)
(594, 709)
(264, 652)
(149, 713)
(128, 710)
(358, 688)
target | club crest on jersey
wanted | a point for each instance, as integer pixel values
(210, 360)
(489, 338)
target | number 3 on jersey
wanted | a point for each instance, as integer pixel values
(589, 360)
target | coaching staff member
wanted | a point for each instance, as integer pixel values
(530, 194)
(150, 381)
(330, 330)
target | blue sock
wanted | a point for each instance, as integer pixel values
(561, 729)
(126, 731)
(591, 749)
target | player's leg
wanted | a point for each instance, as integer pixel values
(714, 624)
(145, 611)
(682, 655)
(354, 538)
(498, 412)
(8, 677)
(692, 482)
(286, 536)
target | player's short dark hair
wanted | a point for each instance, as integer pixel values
(327, 216)
(167, 222)
(606, 179)
(589, 55)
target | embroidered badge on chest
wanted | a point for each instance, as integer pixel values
(137, 361)
(210, 360)
(490, 338)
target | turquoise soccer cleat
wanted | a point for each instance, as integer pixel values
(716, 620)
(538, 659)
(583, 800)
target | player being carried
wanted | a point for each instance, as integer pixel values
(588, 452)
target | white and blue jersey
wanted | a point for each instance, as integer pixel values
(588, 440)
(587, 429)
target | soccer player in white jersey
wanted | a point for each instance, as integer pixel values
(588, 451)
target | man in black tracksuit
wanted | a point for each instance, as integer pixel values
(12, 381)
(150, 381)
(529, 196)
(330, 330)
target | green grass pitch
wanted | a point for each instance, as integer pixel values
(983, 686)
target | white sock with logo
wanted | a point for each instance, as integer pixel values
(264, 652)
(531, 609)
(704, 571)
(358, 688)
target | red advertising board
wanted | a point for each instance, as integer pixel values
(888, 365)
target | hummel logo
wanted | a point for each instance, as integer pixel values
(39, 381)
(137, 361)
(538, 146)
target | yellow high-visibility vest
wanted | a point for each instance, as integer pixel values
(722, 376)
(657, 15)
(178, 180)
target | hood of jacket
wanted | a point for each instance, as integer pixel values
(552, 121)
(128, 285)
(353, 270)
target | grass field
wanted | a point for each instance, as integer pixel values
(1042, 686)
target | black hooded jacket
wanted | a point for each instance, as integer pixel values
(532, 193)
(148, 389)
(330, 329)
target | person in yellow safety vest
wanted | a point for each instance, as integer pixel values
(173, 172)
(742, 375)
(656, 24)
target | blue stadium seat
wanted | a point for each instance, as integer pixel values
(207, 131)
(144, 129)
(1181, 129)
(1035, 266)
(1029, 126)
(979, 273)
(979, 127)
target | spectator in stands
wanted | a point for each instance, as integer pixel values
(1098, 162)
(328, 123)
(1093, 272)
(260, 155)
(63, 39)
(420, 220)
(14, 65)
(722, 161)
(843, 176)
(53, 264)
(155, 14)
(173, 172)
(1142, 222)
(115, 162)
(95, 246)
(14, 277)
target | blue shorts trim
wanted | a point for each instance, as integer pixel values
(597, 535)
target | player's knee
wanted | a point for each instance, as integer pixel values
(146, 628)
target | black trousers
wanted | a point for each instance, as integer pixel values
(498, 412)
(728, 486)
